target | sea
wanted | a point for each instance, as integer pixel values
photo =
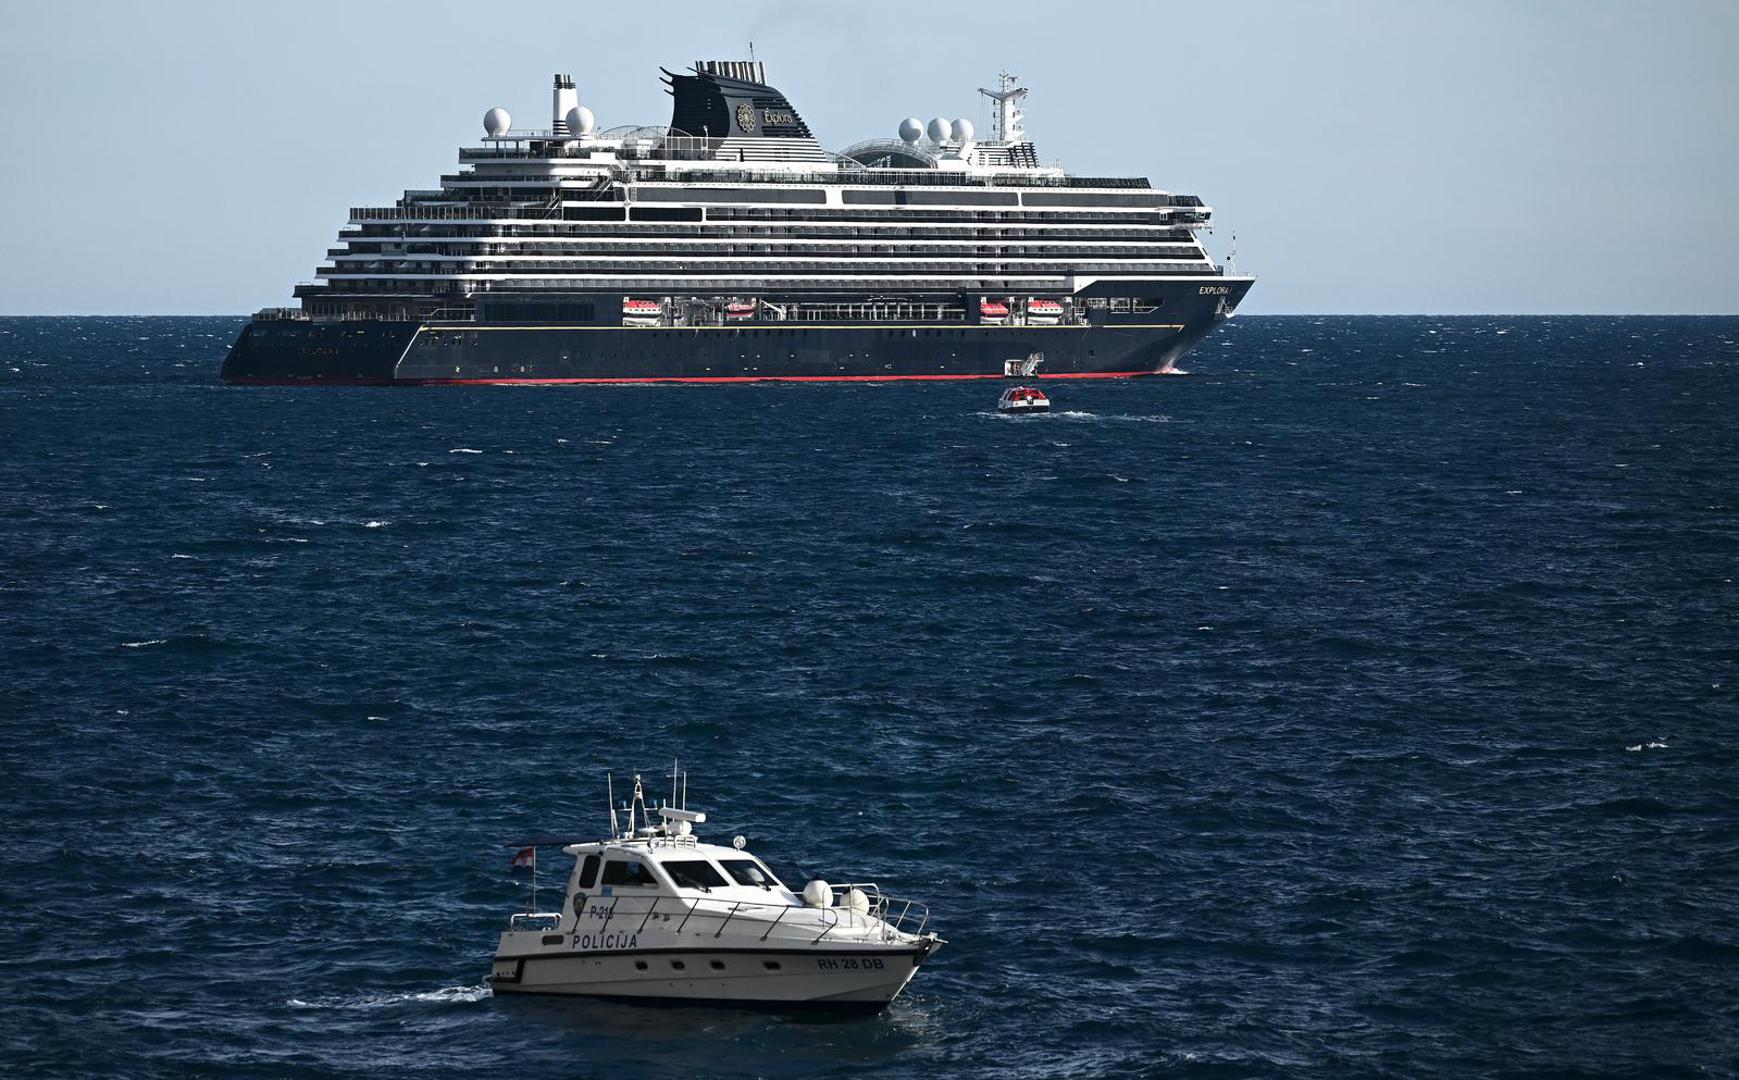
(1362, 704)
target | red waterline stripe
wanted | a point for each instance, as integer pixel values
(257, 380)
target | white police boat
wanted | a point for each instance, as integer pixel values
(654, 914)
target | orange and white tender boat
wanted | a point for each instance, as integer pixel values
(1023, 399)
(1043, 312)
(642, 313)
(740, 310)
(992, 311)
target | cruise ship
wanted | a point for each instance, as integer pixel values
(730, 246)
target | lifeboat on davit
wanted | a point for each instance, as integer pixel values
(1043, 312)
(642, 313)
(992, 311)
(740, 310)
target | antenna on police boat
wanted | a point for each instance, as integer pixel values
(610, 795)
(673, 781)
(1232, 256)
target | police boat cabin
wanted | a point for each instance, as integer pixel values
(654, 914)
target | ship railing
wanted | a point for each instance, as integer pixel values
(528, 211)
(896, 913)
(535, 920)
(887, 916)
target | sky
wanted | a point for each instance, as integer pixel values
(1506, 156)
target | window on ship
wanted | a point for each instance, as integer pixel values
(750, 872)
(694, 874)
(623, 872)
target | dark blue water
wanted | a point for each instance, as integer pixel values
(1363, 705)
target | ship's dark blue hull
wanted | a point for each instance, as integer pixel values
(300, 351)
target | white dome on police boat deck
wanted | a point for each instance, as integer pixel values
(581, 121)
(497, 121)
(940, 130)
(911, 129)
(963, 130)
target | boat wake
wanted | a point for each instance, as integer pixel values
(447, 995)
(1078, 414)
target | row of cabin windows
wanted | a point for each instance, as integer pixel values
(399, 234)
(717, 965)
(685, 873)
(738, 246)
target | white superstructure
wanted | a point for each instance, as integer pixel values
(737, 190)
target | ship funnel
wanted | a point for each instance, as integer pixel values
(564, 99)
(747, 70)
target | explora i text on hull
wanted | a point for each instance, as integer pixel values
(729, 246)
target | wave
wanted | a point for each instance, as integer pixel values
(446, 995)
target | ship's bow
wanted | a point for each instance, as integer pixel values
(296, 352)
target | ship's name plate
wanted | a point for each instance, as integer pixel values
(777, 116)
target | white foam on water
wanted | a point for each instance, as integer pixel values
(464, 450)
(1641, 746)
(143, 644)
(447, 995)
(375, 524)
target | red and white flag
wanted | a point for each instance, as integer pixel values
(525, 857)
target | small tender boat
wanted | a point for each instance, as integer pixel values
(992, 311)
(1043, 312)
(654, 914)
(1023, 399)
(642, 312)
(740, 310)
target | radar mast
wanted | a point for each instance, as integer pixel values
(1007, 117)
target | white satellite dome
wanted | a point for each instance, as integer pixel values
(855, 900)
(580, 120)
(496, 121)
(818, 894)
(940, 130)
(963, 130)
(911, 128)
